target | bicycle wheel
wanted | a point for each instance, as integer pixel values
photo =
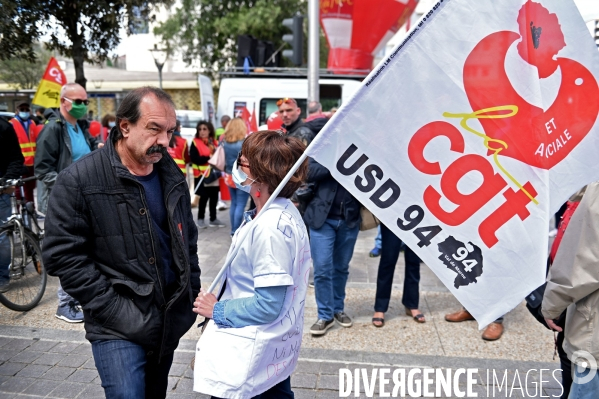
(26, 271)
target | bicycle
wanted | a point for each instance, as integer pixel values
(22, 235)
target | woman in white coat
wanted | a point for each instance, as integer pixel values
(250, 347)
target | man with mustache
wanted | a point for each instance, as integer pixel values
(121, 237)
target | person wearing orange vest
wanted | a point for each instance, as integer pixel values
(26, 131)
(202, 148)
(177, 149)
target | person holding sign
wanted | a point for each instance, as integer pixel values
(251, 345)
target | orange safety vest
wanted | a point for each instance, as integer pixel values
(27, 143)
(180, 154)
(198, 170)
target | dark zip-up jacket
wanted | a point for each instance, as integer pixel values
(54, 151)
(301, 131)
(100, 241)
(329, 196)
(11, 157)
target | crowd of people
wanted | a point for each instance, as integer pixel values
(136, 283)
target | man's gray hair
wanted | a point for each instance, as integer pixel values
(314, 107)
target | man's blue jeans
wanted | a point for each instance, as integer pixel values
(332, 247)
(588, 390)
(4, 243)
(129, 371)
(378, 240)
(239, 200)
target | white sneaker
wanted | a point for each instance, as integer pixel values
(553, 233)
(221, 206)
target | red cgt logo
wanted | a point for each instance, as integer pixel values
(536, 137)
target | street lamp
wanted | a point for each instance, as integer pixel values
(160, 56)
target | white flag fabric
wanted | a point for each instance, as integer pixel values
(469, 136)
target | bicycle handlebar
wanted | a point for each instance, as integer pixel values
(5, 183)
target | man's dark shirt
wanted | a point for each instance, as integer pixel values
(157, 208)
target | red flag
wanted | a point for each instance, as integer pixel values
(246, 116)
(253, 121)
(48, 91)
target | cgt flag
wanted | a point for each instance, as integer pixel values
(48, 92)
(469, 136)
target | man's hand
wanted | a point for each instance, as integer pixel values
(100, 145)
(552, 325)
(204, 304)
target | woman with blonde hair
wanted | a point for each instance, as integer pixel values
(235, 133)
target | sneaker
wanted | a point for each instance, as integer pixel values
(376, 252)
(201, 224)
(216, 223)
(71, 313)
(321, 327)
(311, 284)
(221, 206)
(552, 233)
(343, 320)
(4, 286)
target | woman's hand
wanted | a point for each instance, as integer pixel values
(204, 304)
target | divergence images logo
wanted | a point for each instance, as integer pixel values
(466, 260)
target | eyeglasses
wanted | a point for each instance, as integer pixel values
(286, 100)
(239, 164)
(77, 101)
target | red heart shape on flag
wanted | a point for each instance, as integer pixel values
(533, 136)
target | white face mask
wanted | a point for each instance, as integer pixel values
(239, 177)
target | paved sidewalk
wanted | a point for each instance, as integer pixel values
(58, 364)
(40, 355)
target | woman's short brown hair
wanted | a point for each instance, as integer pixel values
(271, 155)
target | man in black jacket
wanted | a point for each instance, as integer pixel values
(62, 141)
(11, 167)
(333, 216)
(292, 122)
(122, 239)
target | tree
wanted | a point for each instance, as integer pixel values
(22, 73)
(207, 30)
(84, 30)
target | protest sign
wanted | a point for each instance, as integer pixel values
(469, 136)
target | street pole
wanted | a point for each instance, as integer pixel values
(159, 65)
(313, 50)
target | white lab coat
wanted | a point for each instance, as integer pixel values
(240, 363)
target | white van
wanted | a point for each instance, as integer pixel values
(190, 118)
(262, 93)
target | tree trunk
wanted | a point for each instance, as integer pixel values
(78, 49)
(78, 59)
